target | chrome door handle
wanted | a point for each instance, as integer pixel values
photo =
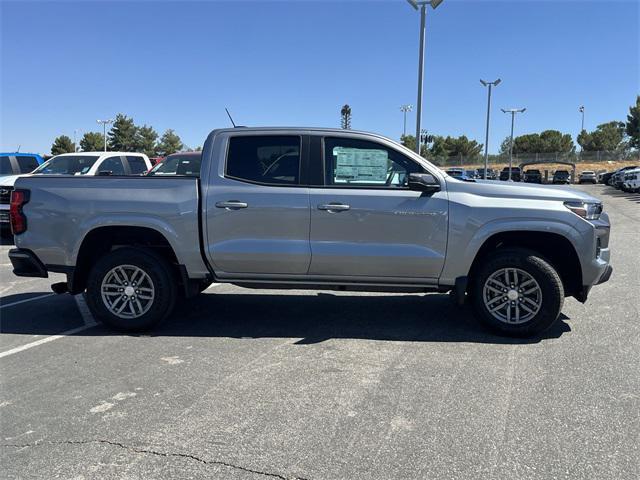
(334, 207)
(231, 205)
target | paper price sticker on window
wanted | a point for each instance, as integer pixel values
(361, 165)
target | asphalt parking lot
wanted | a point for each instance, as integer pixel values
(245, 384)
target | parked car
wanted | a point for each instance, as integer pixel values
(187, 163)
(311, 208)
(561, 177)
(515, 174)
(617, 178)
(491, 173)
(471, 173)
(12, 164)
(533, 176)
(96, 163)
(605, 177)
(588, 176)
(631, 180)
(459, 173)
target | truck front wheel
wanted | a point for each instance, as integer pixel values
(516, 292)
(131, 289)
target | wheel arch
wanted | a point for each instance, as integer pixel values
(101, 240)
(554, 247)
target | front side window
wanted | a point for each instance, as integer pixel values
(113, 165)
(27, 164)
(268, 159)
(361, 163)
(137, 164)
(5, 166)
(67, 165)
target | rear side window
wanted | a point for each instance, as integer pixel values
(113, 165)
(27, 164)
(136, 164)
(270, 160)
(5, 166)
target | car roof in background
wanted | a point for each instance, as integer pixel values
(184, 154)
(20, 154)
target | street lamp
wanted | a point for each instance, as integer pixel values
(495, 83)
(404, 109)
(422, 6)
(581, 110)
(104, 124)
(513, 112)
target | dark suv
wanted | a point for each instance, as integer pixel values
(562, 177)
(515, 174)
(533, 176)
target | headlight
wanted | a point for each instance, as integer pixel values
(587, 210)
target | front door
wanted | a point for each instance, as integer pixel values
(257, 212)
(365, 222)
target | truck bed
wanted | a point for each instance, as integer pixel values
(64, 209)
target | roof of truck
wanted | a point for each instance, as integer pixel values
(99, 153)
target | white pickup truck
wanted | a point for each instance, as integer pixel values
(311, 208)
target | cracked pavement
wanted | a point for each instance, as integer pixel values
(254, 384)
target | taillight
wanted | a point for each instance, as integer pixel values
(16, 215)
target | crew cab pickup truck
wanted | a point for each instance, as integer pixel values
(316, 209)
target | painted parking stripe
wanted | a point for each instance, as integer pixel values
(26, 300)
(87, 319)
(44, 340)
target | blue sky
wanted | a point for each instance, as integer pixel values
(178, 64)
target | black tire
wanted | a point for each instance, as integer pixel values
(159, 272)
(545, 275)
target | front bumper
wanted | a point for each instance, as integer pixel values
(26, 263)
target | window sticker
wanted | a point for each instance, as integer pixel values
(360, 165)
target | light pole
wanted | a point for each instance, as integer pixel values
(404, 109)
(422, 6)
(513, 112)
(495, 83)
(104, 124)
(75, 134)
(581, 110)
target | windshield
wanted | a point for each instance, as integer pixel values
(67, 165)
(188, 165)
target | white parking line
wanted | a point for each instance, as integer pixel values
(26, 300)
(87, 318)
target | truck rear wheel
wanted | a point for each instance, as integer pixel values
(131, 289)
(517, 293)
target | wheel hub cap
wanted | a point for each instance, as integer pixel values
(512, 296)
(127, 291)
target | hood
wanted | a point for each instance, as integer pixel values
(507, 190)
(9, 180)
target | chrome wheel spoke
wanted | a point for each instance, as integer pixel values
(510, 302)
(124, 299)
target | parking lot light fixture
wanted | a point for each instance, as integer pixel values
(422, 7)
(104, 124)
(513, 112)
(486, 138)
(404, 109)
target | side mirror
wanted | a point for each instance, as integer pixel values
(423, 182)
(105, 173)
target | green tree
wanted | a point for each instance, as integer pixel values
(633, 124)
(606, 137)
(92, 142)
(62, 144)
(122, 136)
(145, 141)
(548, 141)
(408, 141)
(169, 143)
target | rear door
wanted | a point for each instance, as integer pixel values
(365, 222)
(26, 163)
(257, 207)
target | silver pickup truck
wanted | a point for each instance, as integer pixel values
(316, 209)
